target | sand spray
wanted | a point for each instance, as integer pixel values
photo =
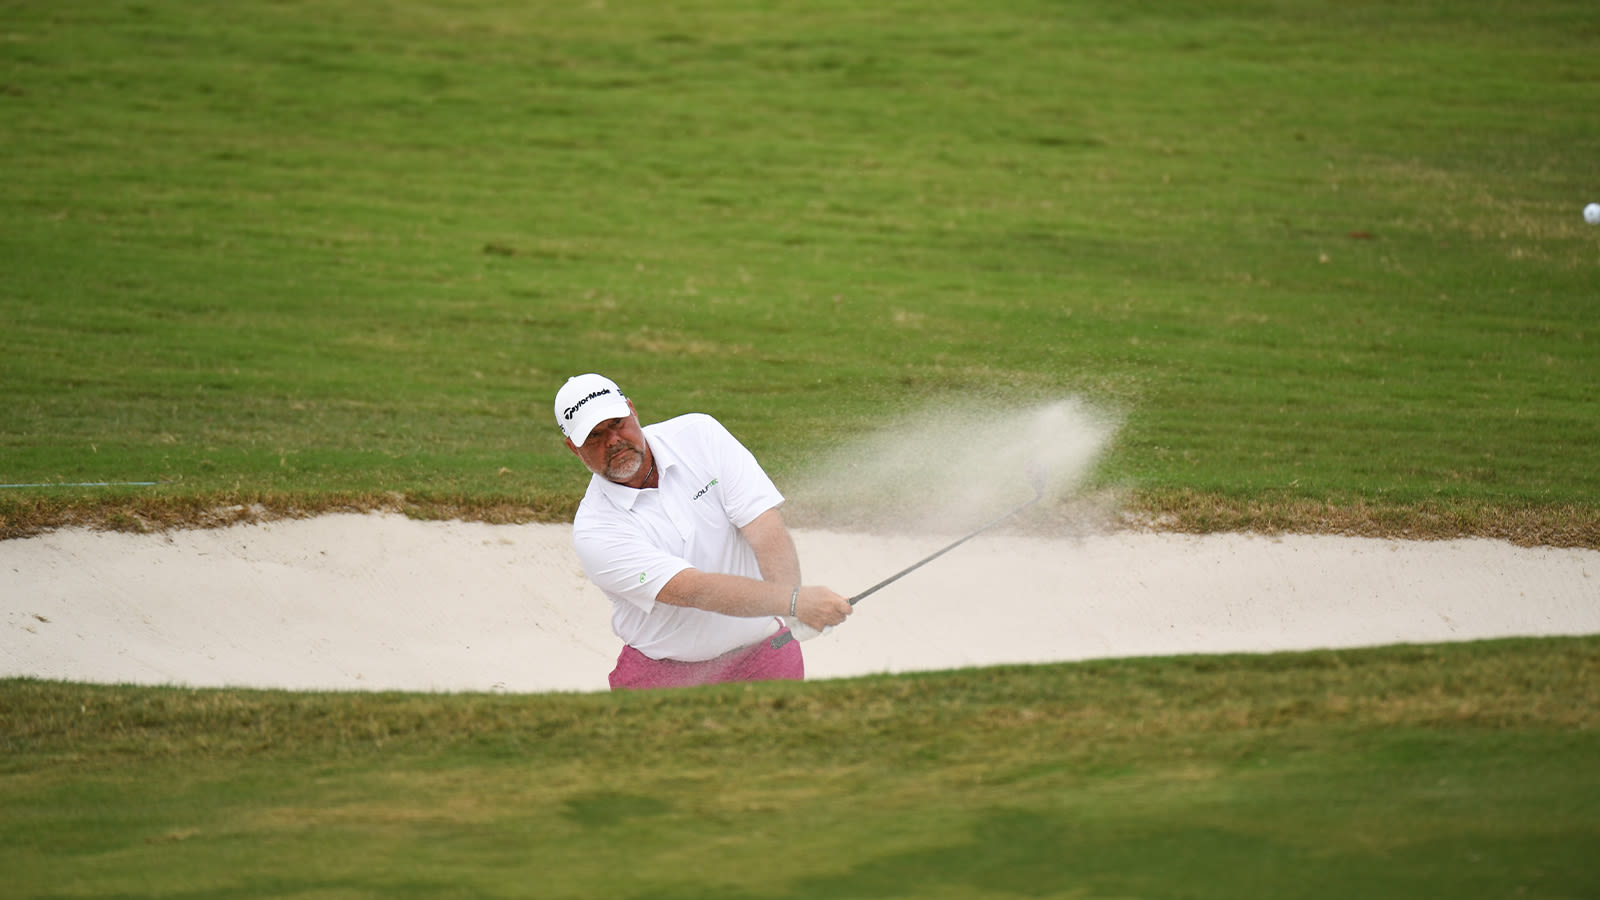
(953, 464)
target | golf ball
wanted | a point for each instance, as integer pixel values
(1591, 214)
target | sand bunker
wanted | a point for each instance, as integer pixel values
(382, 602)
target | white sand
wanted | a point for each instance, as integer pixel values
(382, 602)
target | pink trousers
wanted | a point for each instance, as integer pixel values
(757, 662)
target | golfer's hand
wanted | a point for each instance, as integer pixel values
(818, 607)
(799, 630)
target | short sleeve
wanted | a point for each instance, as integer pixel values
(621, 560)
(747, 491)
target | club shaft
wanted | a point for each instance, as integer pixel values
(936, 554)
(786, 637)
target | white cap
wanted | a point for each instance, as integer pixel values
(585, 401)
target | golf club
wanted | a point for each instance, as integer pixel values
(1036, 478)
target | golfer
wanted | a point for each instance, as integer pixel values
(680, 529)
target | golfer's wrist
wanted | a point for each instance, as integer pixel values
(794, 601)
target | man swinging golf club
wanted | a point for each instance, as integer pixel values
(680, 529)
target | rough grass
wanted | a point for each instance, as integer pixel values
(1523, 525)
(295, 257)
(1073, 707)
(148, 514)
(1182, 511)
(1390, 772)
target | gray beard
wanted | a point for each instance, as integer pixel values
(622, 467)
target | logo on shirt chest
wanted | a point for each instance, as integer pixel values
(705, 490)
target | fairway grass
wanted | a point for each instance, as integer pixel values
(1324, 262)
(1321, 258)
(1462, 770)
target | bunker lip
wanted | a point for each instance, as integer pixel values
(383, 602)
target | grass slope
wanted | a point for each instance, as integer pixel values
(1325, 257)
(1464, 770)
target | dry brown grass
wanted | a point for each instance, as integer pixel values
(150, 514)
(1557, 525)
(1185, 512)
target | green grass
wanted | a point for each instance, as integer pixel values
(337, 253)
(1324, 258)
(1464, 770)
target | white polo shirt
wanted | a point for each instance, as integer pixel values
(631, 542)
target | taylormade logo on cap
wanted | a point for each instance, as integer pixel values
(571, 410)
(584, 402)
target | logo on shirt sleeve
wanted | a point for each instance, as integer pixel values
(705, 490)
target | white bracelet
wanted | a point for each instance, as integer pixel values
(793, 599)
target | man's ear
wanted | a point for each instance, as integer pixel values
(571, 446)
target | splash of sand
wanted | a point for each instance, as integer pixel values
(953, 464)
